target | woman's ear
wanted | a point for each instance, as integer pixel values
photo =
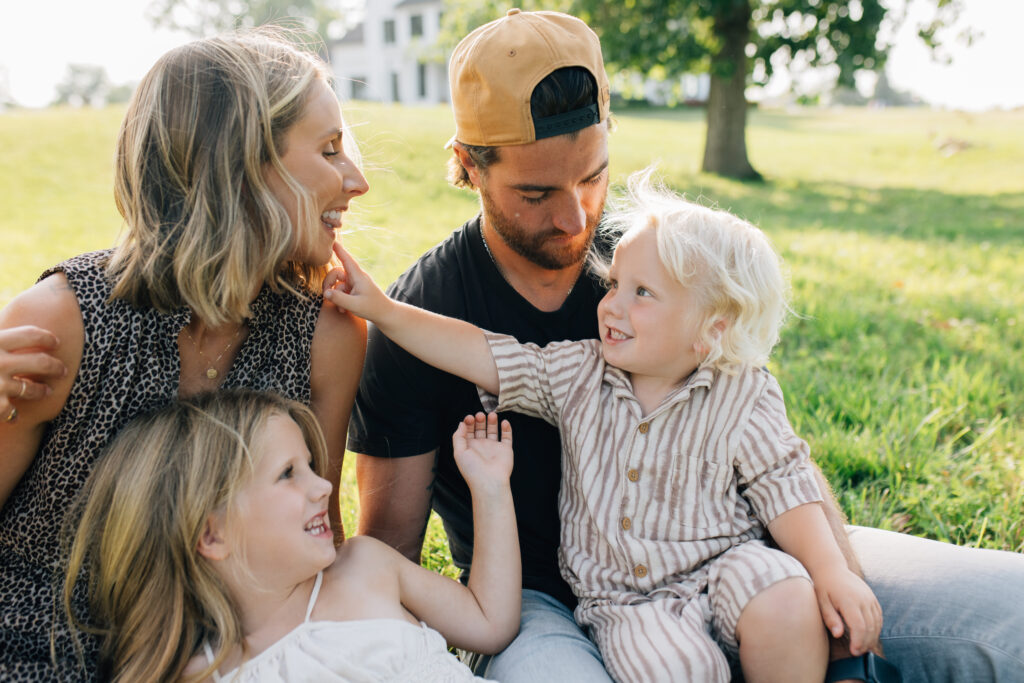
(213, 539)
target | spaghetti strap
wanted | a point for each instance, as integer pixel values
(209, 658)
(314, 594)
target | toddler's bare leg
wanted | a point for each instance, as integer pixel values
(781, 635)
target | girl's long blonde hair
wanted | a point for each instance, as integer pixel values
(131, 537)
(203, 229)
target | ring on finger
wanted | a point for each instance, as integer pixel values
(12, 416)
(24, 388)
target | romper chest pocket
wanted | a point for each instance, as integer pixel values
(702, 497)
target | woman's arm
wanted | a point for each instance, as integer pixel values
(452, 345)
(51, 371)
(336, 362)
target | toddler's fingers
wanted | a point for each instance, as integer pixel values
(334, 277)
(858, 632)
(833, 622)
(346, 259)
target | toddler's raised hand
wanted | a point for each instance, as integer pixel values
(484, 461)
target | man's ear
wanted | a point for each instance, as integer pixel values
(467, 162)
(213, 541)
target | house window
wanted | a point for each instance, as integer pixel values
(395, 94)
(389, 30)
(358, 88)
(421, 77)
(416, 25)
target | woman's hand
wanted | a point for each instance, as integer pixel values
(26, 364)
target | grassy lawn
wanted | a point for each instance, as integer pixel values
(905, 369)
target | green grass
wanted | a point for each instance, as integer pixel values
(905, 367)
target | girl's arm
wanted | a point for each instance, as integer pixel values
(804, 533)
(455, 346)
(483, 617)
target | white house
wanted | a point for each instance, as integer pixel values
(392, 55)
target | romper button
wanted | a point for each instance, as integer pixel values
(633, 475)
(640, 571)
(626, 523)
(644, 426)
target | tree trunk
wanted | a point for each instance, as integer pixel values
(725, 150)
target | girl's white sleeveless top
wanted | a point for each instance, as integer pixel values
(356, 651)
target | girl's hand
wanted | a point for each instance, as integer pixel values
(484, 461)
(26, 362)
(350, 288)
(848, 606)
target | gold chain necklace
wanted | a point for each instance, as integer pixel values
(501, 271)
(211, 371)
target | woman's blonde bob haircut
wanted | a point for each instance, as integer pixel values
(202, 228)
(730, 265)
(132, 535)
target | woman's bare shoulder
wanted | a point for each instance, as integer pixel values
(50, 304)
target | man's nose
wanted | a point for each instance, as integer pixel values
(570, 216)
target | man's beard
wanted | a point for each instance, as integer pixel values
(535, 248)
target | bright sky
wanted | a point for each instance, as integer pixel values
(38, 39)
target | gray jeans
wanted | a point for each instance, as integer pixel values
(952, 615)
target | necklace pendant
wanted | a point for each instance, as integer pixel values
(212, 373)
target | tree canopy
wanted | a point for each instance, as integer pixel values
(83, 84)
(208, 17)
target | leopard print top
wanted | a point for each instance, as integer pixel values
(130, 365)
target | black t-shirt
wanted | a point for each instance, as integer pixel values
(405, 407)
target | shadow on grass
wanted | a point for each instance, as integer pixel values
(775, 120)
(908, 213)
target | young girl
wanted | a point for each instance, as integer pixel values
(677, 454)
(209, 554)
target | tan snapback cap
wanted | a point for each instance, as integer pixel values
(493, 71)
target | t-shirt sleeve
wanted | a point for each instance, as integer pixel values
(395, 410)
(774, 465)
(533, 380)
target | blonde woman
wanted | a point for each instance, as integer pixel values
(232, 177)
(203, 533)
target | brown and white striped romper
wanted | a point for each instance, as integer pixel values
(662, 514)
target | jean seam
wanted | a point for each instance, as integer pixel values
(979, 643)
